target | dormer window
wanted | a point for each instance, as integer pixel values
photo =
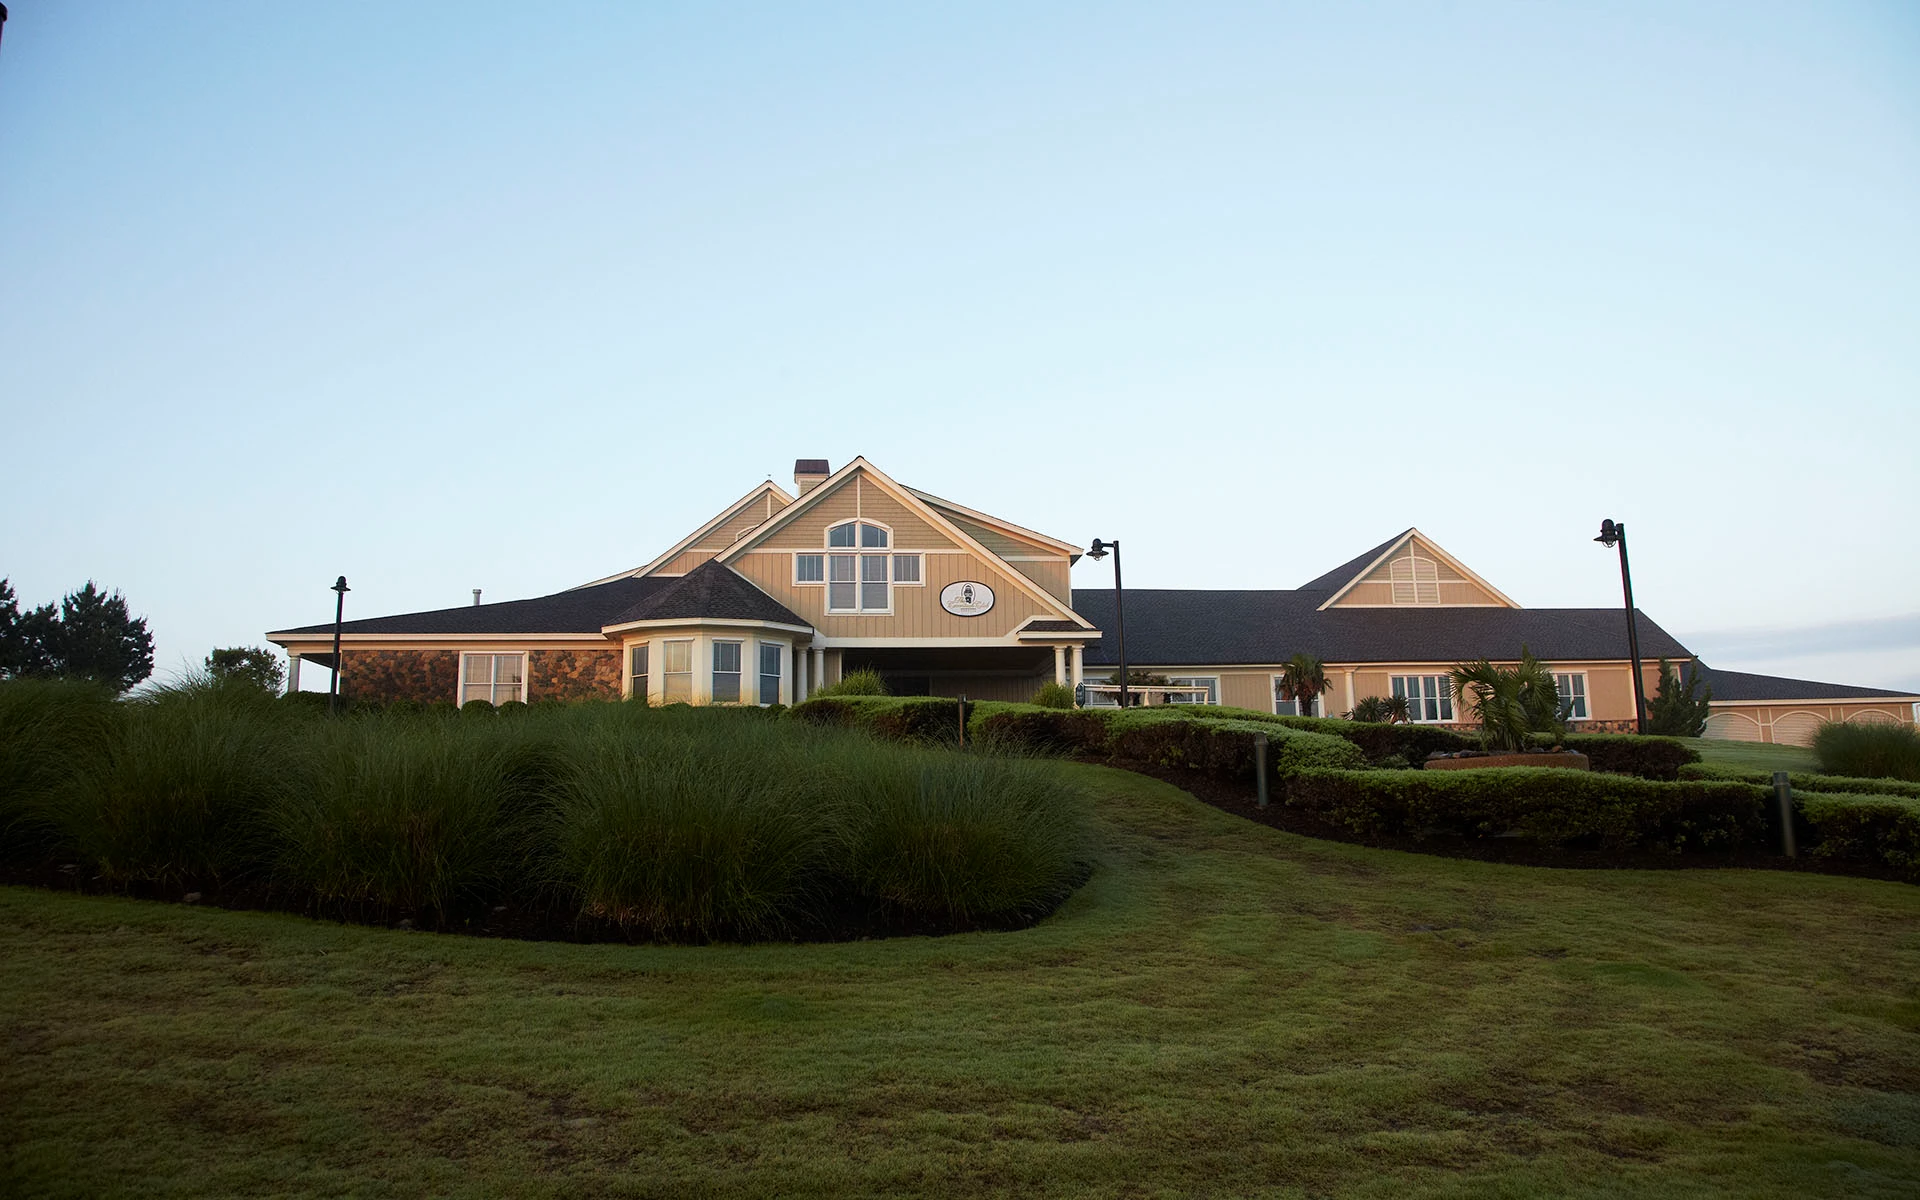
(859, 582)
(1415, 580)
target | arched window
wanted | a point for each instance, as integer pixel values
(857, 576)
(1415, 580)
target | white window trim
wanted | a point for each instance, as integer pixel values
(627, 653)
(1446, 693)
(780, 692)
(692, 672)
(1194, 681)
(460, 691)
(858, 552)
(1273, 699)
(1586, 691)
(915, 554)
(714, 672)
(820, 582)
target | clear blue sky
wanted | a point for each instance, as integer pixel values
(512, 296)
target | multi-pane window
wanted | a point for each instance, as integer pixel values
(1285, 705)
(1209, 682)
(726, 672)
(1429, 697)
(906, 568)
(769, 672)
(495, 678)
(859, 582)
(1572, 686)
(676, 672)
(637, 667)
(809, 568)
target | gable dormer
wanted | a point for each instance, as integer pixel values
(732, 523)
(1411, 571)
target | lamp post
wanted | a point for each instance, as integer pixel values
(1613, 533)
(340, 590)
(1096, 553)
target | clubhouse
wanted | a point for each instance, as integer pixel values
(783, 592)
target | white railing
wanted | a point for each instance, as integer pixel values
(1141, 694)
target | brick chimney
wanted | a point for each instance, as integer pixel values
(809, 473)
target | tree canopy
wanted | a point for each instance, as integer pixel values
(247, 664)
(90, 635)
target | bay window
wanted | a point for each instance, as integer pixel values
(726, 672)
(770, 672)
(676, 672)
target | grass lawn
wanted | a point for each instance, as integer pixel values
(1754, 756)
(1223, 1009)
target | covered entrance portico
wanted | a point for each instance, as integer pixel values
(994, 672)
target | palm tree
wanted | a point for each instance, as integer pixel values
(1398, 711)
(1305, 678)
(1372, 708)
(1511, 703)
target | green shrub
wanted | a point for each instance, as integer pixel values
(1549, 806)
(1629, 753)
(854, 683)
(1037, 730)
(1054, 695)
(477, 708)
(1805, 782)
(406, 814)
(1376, 740)
(1869, 751)
(177, 791)
(958, 840)
(46, 727)
(1173, 737)
(1879, 829)
(723, 832)
(935, 719)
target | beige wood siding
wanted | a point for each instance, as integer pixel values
(1247, 689)
(1790, 724)
(1454, 588)
(685, 561)
(855, 497)
(1053, 576)
(916, 610)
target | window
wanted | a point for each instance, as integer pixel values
(1415, 580)
(726, 672)
(861, 582)
(770, 672)
(1572, 686)
(1285, 705)
(637, 667)
(676, 673)
(809, 568)
(1429, 697)
(1209, 682)
(906, 568)
(495, 678)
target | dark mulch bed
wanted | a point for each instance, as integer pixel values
(1239, 798)
(843, 922)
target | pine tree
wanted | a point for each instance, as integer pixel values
(1677, 711)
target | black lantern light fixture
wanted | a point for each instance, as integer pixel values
(340, 590)
(1097, 552)
(1614, 533)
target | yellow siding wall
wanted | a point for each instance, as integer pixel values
(723, 535)
(1794, 724)
(916, 610)
(1053, 576)
(855, 497)
(1455, 588)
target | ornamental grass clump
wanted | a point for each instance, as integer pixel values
(855, 683)
(177, 790)
(1870, 751)
(408, 813)
(953, 839)
(711, 829)
(47, 726)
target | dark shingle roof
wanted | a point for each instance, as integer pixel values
(1051, 627)
(1207, 628)
(711, 589)
(810, 466)
(577, 610)
(1343, 574)
(1739, 685)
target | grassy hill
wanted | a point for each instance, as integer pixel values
(1223, 1009)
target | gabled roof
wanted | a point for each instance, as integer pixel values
(1225, 628)
(915, 505)
(1353, 569)
(993, 522)
(1386, 551)
(582, 610)
(726, 514)
(711, 590)
(1739, 685)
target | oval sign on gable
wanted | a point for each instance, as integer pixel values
(966, 598)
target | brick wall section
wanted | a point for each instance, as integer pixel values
(573, 674)
(383, 675)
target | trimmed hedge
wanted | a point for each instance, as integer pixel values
(1879, 829)
(1169, 737)
(1550, 806)
(1648, 757)
(1805, 782)
(904, 718)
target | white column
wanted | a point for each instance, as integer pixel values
(293, 671)
(819, 677)
(799, 674)
(1079, 665)
(1349, 690)
(1060, 664)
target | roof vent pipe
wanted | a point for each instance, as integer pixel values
(809, 473)
(476, 597)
